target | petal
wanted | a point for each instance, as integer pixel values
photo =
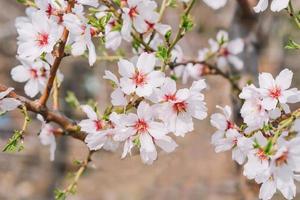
(284, 79)
(157, 130)
(147, 142)
(167, 144)
(269, 103)
(146, 62)
(278, 5)
(9, 104)
(266, 80)
(261, 6)
(236, 46)
(236, 62)
(20, 74)
(127, 85)
(89, 111)
(267, 190)
(126, 68)
(32, 88)
(144, 111)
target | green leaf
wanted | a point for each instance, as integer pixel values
(14, 144)
(59, 195)
(186, 23)
(292, 45)
(162, 53)
(72, 100)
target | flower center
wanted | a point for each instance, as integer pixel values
(230, 125)
(224, 52)
(49, 10)
(170, 97)
(42, 39)
(275, 92)
(141, 126)
(150, 25)
(33, 73)
(180, 107)
(139, 79)
(261, 155)
(133, 12)
(99, 125)
(282, 159)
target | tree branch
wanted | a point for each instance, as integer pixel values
(59, 53)
(69, 126)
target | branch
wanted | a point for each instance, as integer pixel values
(212, 70)
(246, 8)
(59, 53)
(69, 126)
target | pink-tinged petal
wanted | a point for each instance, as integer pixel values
(167, 144)
(219, 121)
(236, 46)
(266, 81)
(147, 142)
(126, 68)
(284, 79)
(184, 124)
(127, 85)
(89, 111)
(110, 76)
(118, 98)
(144, 111)
(157, 130)
(168, 88)
(128, 145)
(130, 119)
(236, 62)
(261, 6)
(215, 4)
(217, 136)
(146, 62)
(162, 28)
(156, 78)
(78, 48)
(278, 5)
(140, 24)
(92, 53)
(9, 104)
(88, 126)
(182, 94)
(148, 156)
(95, 141)
(144, 90)
(267, 190)
(224, 144)
(32, 87)
(198, 86)
(269, 103)
(20, 73)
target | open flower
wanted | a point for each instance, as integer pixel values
(141, 79)
(34, 73)
(147, 131)
(81, 34)
(8, 103)
(276, 5)
(104, 138)
(179, 107)
(276, 90)
(47, 137)
(93, 124)
(37, 35)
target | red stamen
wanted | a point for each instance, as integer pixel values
(141, 126)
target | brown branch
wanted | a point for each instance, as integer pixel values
(210, 70)
(246, 8)
(59, 53)
(69, 126)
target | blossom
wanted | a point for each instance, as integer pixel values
(93, 124)
(178, 108)
(7, 103)
(148, 132)
(216, 4)
(134, 15)
(252, 111)
(53, 9)
(118, 98)
(228, 50)
(47, 136)
(35, 73)
(104, 138)
(81, 33)
(141, 79)
(222, 122)
(113, 36)
(276, 90)
(37, 35)
(276, 5)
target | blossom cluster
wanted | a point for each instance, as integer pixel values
(265, 143)
(223, 51)
(162, 109)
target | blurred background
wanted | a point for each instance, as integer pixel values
(193, 171)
